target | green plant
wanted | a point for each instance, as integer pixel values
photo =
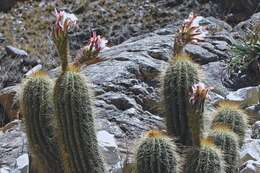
(77, 138)
(227, 141)
(206, 159)
(231, 115)
(74, 115)
(178, 80)
(157, 154)
(246, 54)
(37, 109)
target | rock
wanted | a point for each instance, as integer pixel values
(9, 104)
(15, 52)
(245, 96)
(109, 149)
(253, 112)
(6, 5)
(34, 70)
(200, 54)
(256, 130)
(13, 143)
(22, 163)
(250, 151)
(213, 73)
(250, 167)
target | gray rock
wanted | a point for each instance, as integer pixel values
(13, 143)
(245, 96)
(251, 167)
(250, 151)
(9, 104)
(15, 52)
(109, 148)
(200, 54)
(22, 163)
(254, 112)
(256, 130)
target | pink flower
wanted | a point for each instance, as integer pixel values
(199, 92)
(96, 43)
(89, 54)
(64, 21)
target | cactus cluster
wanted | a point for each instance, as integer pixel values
(60, 123)
(59, 118)
(230, 114)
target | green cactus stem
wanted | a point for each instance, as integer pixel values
(178, 80)
(231, 115)
(37, 109)
(206, 159)
(75, 119)
(227, 141)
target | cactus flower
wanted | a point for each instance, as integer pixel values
(190, 31)
(199, 92)
(64, 21)
(89, 53)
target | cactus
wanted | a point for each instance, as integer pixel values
(178, 80)
(230, 114)
(196, 114)
(76, 131)
(37, 108)
(227, 141)
(157, 154)
(206, 159)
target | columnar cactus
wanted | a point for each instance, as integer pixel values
(178, 80)
(157, 154)
(206, 159)
(196, 114)
(227, 141)
(75, 120)
(37, 109)
(74, 116)
(230, 114)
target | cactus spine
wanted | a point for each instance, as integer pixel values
(178, 80)
(157, 154)
(77, 138)
(227, 141)
(37, 108)
(230, 115)
(206, 159)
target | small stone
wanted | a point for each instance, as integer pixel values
(251, 167)
(109, 148)
(245, 96)
(256, 130)
(254, 113)
(250, 151)
(15, 52)
(22, 163)
(34, 70)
